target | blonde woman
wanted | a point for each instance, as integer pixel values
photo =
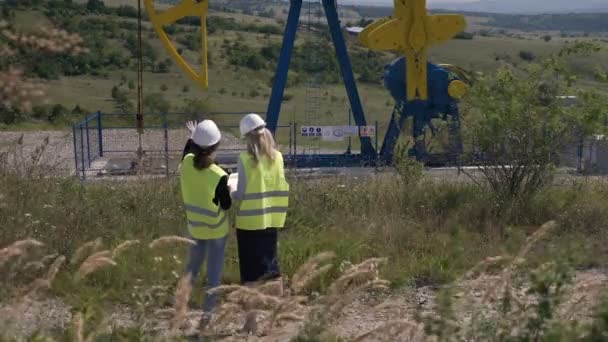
(263, 193)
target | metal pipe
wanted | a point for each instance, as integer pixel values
(347, 72)
(280, 79)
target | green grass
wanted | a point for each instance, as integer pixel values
(31, 21)
(431, 232)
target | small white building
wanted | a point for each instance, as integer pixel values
(354, 30)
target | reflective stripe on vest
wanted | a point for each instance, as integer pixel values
(208, 214)
(266, 199)
(206, 220)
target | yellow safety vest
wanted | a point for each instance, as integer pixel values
(264, 204)
(206, 220)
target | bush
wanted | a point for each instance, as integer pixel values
(162, 67)
(410, 171)
(518, 126)
(198, 108)
(156, 103)
(186, 88)
(527, 56)
(464, 35)
(254, 93)
(547, 38)
(164, 87)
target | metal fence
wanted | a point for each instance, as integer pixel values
(88, 143)
(114, 137)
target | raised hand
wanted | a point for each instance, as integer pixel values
(191, 125)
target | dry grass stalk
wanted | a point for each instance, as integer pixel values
(290, 316)
(245, 296)
(505, 278)
(357, 275)
(250, 297)
(169, 240)
(303, 282)
(17, 249)
(33, 267)
(86, 250)
(392, 330)
(273, 288)
(482, 266)
(27, 243)
(224, 289)
(43, 283)
(93, 263)
(123, 247)
(182, 296)
(8, 253)
(48, 258)
(78, 323)
(302, 274)
(54, 268)
(357, 278)
(34, 287)
(286, 311)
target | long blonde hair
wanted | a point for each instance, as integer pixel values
(260, 143)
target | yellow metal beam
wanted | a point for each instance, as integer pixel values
(187, 8)
(412, 31)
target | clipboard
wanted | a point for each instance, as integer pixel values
(233, 181)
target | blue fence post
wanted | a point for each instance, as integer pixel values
(82, 151)
(75, 149)
(100, 133)
(295, 138)
(86, 123)
(166, 128)
(290, 137)
(376, 133)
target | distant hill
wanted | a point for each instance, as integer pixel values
(525, 6)
(565, 22)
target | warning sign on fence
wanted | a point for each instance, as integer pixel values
(367, 131)
(312, 131)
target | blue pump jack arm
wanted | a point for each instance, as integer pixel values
(280, 79)
(367, 149)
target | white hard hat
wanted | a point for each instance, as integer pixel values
(206, 134)
(250, 123)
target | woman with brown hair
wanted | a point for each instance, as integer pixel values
(206, 197)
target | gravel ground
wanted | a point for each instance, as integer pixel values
(59, 151)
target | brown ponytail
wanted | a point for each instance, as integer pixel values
(203, 156)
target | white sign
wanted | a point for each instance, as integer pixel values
(330, 133)
(338, 133)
